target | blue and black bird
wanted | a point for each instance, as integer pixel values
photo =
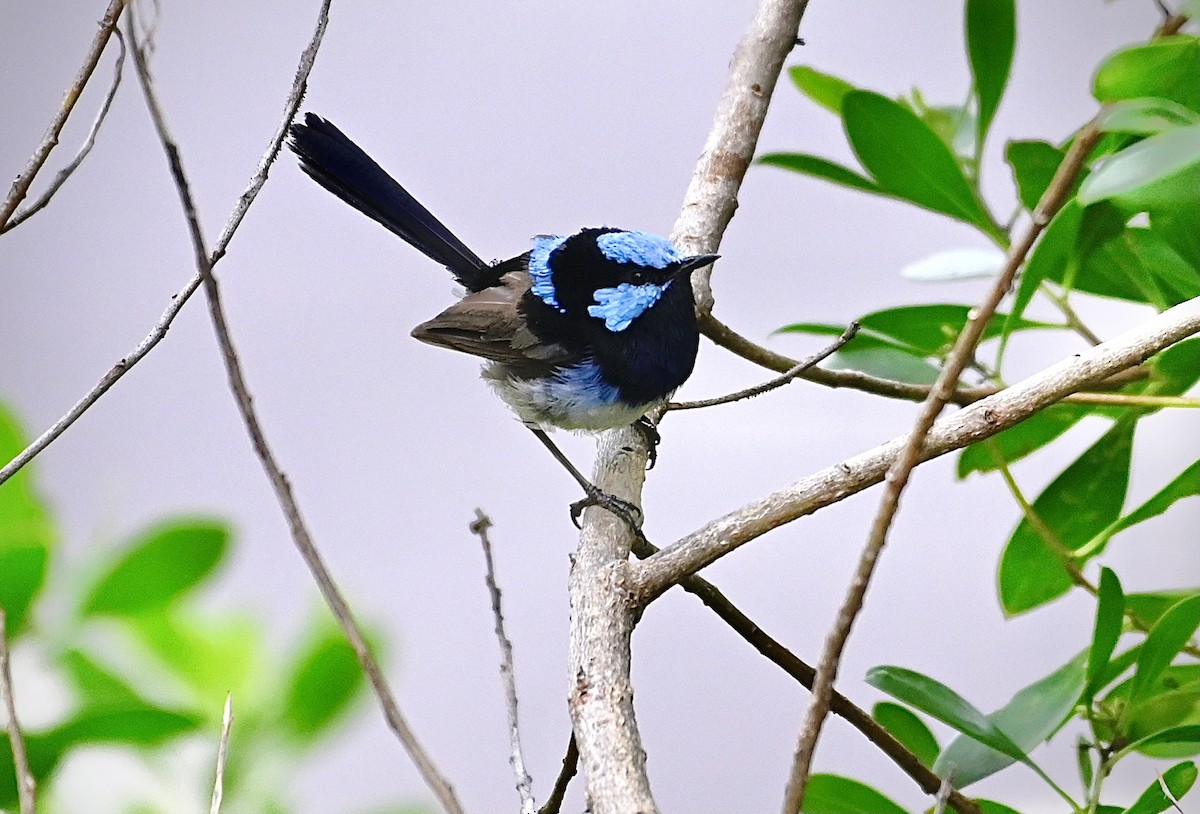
(586, 331)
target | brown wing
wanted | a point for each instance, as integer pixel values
(489, 324)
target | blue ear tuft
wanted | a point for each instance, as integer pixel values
(620, 306)
(539, 269)
(639, 248)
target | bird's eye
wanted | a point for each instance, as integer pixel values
(639, 277)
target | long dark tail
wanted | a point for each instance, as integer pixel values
(338, 164)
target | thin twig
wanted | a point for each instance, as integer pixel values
(910, 455)
(88, 143)
(222, 753)
(804, 674)
(943, 793)
(570, 765)
(479, 527)
(778, 381)
(279, 482)
(26, 785)
(20, 187)
(180, 298)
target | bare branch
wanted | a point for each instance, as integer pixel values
(981, 420)
(20, 187)
(279, 482)
(222, 753)
(26, 785)
(570, 765)
(603, 606)
(479, 527)
(804, 674)
(89, 142)
(779, 381)
(180, 298)
(911, 454)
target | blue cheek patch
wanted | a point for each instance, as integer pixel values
(539, 269)
(620, 306)
(639, 248)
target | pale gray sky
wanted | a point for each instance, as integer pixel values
(508, 120)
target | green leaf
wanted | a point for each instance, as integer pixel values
(1083, 758)
(139, 724)
(1033, 165)
(22, 574)
(1165, 639)
(821, 168)
(831, 794)
(27, 533)
(824, 89)
(1028, 719)
(323, 681)
(1185, 484)
(1149, 607)
(943, 703)
(1167, 723)
(96, 683)
(931, 330)
(1080, 503)
(1110, 618)
(1178, 779)
(1164, 743)
(160, 567)
(908, 159)
(909, 729)
(1177, 368)
(1020, 440)
(1166, 68)
(991, 37)
(885, 362)
(1143, 163)
(1145, 116)
(1176, 227)
(992, 807)
(214, 656)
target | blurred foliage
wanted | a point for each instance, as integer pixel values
(1130, 231)
(143, 668)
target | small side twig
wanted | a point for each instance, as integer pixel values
(279, 481)
(910, 455)
(570, 765)
(26, 785)
(180, 298)
(479, 527)
(21, 184)
(943, 794)
(89, 142)
(779, 381)
(222, 754)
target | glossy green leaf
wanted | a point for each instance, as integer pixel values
(1110, 618)
(1165, 639)
(1165, 743)
(1185, 484)
(831, 794)
(160, 567)
(1149, 607)
(1020, 440)
(1166, 68)
(323, 681)
(1051, 258)
(1178, 780)
(1033, 166)
(931, 330)
(992, 807)
(821, 168)
(1145, 116)
(1077, 505)
(1177, 368)
(907, 158)
(1142, 164)
(936, 699)
(1176, 227)
(955, 125)
(909, 729)
(825, 89)
(991, 37)
(1028, 719)
(1166, 724)
(1135, 264)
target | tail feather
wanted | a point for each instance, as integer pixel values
(338, 164)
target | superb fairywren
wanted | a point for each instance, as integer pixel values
(586, 331)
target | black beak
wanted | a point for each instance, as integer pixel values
(690, 264)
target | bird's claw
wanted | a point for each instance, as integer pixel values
(651, 435)
(623, 509)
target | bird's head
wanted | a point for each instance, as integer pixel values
(611, 275)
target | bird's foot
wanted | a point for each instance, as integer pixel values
(623, 509)
(650, 433)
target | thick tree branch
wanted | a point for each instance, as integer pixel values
(603, 607)
(981, 420)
